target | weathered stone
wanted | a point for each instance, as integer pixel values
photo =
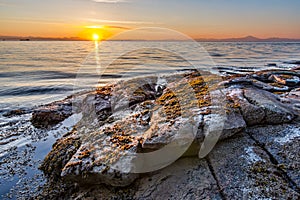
(62, 151)
(283, 142)
(244, 171)
(101, 147)
(147, 115)
(288, 81)
(294, 94)
(16, 112)
(275, 111)
(223, 125)
(187, 178)
(233, 124)
(51, 114)
(270, 87)
(247, 109)
(131, 92)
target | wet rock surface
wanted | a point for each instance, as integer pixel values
(22, 149)
(180, 113)
(51, 114)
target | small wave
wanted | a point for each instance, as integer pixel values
(125, 63)
(292, 62)
(234, 69)
(271, 64)
(34, 90)
(40, 75)
(217, 55)
(110, 76)
(128, 57)
(155, 57)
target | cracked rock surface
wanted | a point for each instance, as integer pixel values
(254, 118)
(244, 170)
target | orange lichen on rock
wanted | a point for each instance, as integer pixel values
(170, 103)
(105, 90)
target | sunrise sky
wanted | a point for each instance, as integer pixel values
(196, 18)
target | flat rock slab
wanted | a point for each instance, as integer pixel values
(187, 178)
(283, 143)
(244, 171)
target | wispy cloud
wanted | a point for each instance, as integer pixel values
(108, 26)
(38, 21)
(118, 22)
(6, 4)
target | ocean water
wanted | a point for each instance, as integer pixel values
(34, 73)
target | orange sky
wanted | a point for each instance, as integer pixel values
(198, 19)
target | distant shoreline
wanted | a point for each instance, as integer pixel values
(208, 41)
(243, 39)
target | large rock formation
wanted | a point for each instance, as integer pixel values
(174, 116)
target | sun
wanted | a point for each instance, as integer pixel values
(96, 37)
(95, 33)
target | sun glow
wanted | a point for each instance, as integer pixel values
(96, 37)
(96, 32)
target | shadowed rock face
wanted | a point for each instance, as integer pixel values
(177, 111)
(51, 114)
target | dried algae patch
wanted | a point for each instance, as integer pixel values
(105, 90)
(193, 90)
(171, 104)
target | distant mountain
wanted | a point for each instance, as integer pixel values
(242, 39)
(250, 39)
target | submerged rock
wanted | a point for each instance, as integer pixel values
(51, 114)
(141, 125)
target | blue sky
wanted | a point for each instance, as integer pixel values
(196, 18)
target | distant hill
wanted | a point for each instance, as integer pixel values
(250, 39)
(242, 39)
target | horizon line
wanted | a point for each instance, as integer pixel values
(245, 38)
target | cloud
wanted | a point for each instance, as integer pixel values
(119, 27)
(6, 4)
(107, 26)
(29, 20)
(118, 22)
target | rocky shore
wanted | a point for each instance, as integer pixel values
(176, 119)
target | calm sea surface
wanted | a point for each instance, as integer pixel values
(34, 73)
